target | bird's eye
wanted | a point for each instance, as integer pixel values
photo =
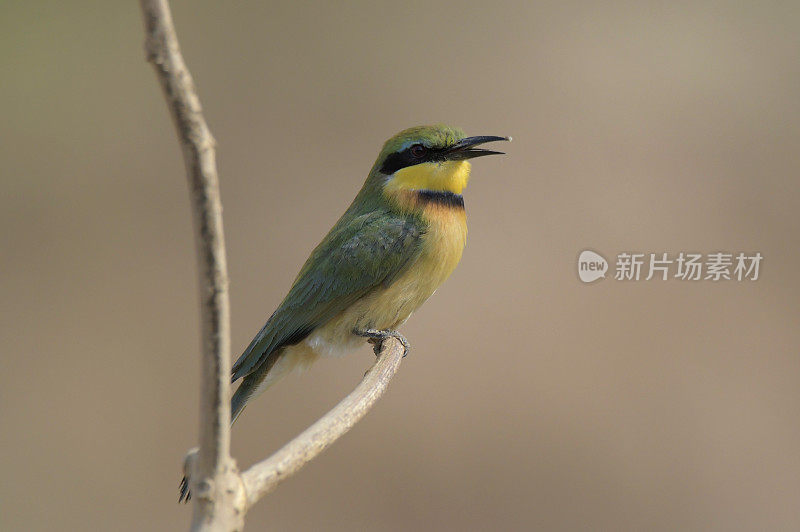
(418, 151)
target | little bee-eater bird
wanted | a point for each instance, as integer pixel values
(397, 242)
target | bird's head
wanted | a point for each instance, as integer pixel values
(429, 158)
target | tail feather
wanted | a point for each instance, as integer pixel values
(255, 383)
(239, 400)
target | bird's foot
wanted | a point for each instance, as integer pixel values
(377, 336)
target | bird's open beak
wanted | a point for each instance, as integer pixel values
(465, 148)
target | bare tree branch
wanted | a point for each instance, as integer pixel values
(222, 495)
(264, 476)
(215, 482)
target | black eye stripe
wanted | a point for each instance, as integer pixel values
(402, 159)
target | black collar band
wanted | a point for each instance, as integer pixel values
(447, 199)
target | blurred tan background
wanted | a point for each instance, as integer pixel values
(530, 400)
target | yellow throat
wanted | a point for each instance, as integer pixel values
(447, 176)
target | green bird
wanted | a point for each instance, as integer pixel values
(401, 237)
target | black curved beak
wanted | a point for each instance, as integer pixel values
(465, 148)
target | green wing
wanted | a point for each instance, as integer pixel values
(359, 254)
